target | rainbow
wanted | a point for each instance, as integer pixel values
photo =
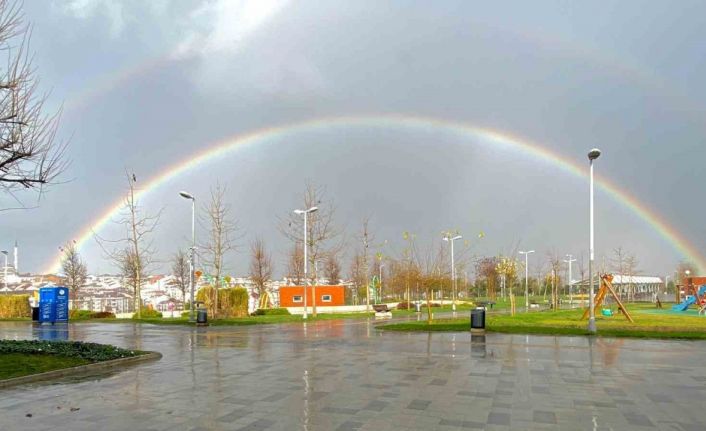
(231, 144)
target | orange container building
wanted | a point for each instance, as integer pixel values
(326, 296)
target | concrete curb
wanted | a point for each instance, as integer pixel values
(80, 370)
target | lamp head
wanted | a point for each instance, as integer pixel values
(594, 154)
(187, 195)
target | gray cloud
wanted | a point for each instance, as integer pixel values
(156, 82)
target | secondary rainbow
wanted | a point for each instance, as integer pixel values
(393, 121)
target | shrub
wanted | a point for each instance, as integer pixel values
(73, 349)
(433, 304)
(14, 306)
(232, 302)
(79, 314)
(271, 312)
(405, 305)
(148, 313)
(102, 315)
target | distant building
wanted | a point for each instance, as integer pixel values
(634, 287)
(326, 296)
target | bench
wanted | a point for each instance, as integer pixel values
(485, 304)
(381, 308)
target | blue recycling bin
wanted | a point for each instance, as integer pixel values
(53, 304)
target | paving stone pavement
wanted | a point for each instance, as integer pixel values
(346, 376)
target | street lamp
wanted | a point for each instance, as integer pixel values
(306, 280)
(192, 250)
(592, 155)
(527, 253)
(5, 272)
(570, 260)
(453, 268)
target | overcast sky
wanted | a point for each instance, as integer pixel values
(145, 85)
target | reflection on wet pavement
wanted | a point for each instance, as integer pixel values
(346, 375)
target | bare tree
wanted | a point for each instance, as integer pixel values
(357, 275)
(332, 269)
(365, 238)
(134, 252)
(322, 237)
(30, 155)
(555, 280)
(180, 271)
(221, 238)
(617, 264)
(260, 266)
(295, 264)
(74, 269)
(631, 264)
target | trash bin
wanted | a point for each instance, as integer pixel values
(478, 320)
(35, 314)
(201, 316)
(418, 307)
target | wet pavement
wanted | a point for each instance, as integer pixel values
(346, 375)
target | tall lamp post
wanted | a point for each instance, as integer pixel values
(592, 155)
(527, 253)
(192, 251)
(570, 260)
(453, 269)
(306, 279)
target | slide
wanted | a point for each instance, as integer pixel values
(684, 304)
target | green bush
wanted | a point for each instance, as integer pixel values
(14, 306)
(232, 302)
(74, 349)
(79, 314)
(148, 313)
(271, 312)
(88, 314)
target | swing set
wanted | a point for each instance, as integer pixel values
(605, 289)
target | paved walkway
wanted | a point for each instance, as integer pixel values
(345, 375)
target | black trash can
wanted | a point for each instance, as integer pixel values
(478, 320)
(35, 314)
(201, 316)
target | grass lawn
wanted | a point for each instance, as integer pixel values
(649, 323)
(23, 364)
(25, 357)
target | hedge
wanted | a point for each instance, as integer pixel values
(271, 312)
(14, 306)
(148, 313)
(232, 302)
(74, 349)
(88, 314)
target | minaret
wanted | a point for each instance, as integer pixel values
(17, 270)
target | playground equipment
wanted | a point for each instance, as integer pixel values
(697, 297)
(374, 289)
(605, 289)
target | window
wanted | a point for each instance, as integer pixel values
(326, 298)
(297, 298)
